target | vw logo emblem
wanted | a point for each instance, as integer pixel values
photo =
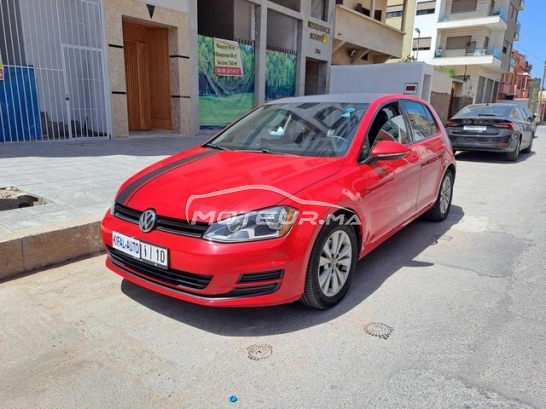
(147, 220)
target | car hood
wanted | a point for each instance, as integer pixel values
(205, 180)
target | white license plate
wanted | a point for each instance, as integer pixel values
(139, 250)
(474, 128)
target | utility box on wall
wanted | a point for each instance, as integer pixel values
(412, 78)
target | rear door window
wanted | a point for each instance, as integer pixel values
(421, 119)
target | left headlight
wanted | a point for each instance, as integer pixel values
(270, 223)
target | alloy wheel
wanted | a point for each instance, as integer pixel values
(445, 195)
(335, 263)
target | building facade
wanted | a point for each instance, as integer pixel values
(401, 15)
(363, 35)
(473, 39)
(106, 68)
(517, 83)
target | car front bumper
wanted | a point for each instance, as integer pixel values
(260, 273)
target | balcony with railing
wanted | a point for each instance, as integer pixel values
(489, 57)
(365, 35)
(495, 19)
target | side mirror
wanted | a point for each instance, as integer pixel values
(387, 150)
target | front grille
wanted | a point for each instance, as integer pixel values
(170, 277)
(165, 224)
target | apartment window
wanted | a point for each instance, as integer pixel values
(290, 4)
(464, 6)
(362, 10)
(395, 11)
(391, 14)
(422, 43)
(318, 9)
(506, 47)
(427, 7)
(424, 12)
(458, 43)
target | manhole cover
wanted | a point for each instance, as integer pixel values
(259, 352)
(378, 329)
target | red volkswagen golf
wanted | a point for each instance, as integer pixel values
(280, 205)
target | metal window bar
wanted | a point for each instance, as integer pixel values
(53, 53)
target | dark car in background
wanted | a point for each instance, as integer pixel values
(533, 119)
(491, 127)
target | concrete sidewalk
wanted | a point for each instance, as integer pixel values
(78, 179)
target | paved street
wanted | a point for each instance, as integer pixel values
(465, 300)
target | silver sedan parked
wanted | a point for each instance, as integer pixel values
(491, 127)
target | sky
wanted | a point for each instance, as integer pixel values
(532, 35)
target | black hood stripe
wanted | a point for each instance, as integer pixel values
(125, 196)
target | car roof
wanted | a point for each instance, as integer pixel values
(492, 104)
(356, 97)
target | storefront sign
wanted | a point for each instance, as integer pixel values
(323, 38)
(534, 95)
(227, 58)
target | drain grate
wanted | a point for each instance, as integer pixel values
(258, 352)
(378, 329)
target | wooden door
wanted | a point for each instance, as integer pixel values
(148, 76)
(138, 85)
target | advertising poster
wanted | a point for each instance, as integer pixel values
(227, 58)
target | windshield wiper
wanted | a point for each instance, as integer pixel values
(265, 150)
(216, 146)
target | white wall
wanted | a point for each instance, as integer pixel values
(380, 78)
(442, 82)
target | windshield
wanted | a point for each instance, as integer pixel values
(303, 129)
(484, 110)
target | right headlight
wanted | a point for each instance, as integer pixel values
(270, 223)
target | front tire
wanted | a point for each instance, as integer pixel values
(443, 202)
(331, 266)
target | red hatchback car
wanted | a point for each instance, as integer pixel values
(280, 205)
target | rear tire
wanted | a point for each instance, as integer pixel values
(443, 202)
(513, 156)
(331, 266)
(529, 148)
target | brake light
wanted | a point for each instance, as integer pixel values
(506, 125)
(451, 124)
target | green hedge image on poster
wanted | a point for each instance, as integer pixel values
(223, 99)
(280, 77)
